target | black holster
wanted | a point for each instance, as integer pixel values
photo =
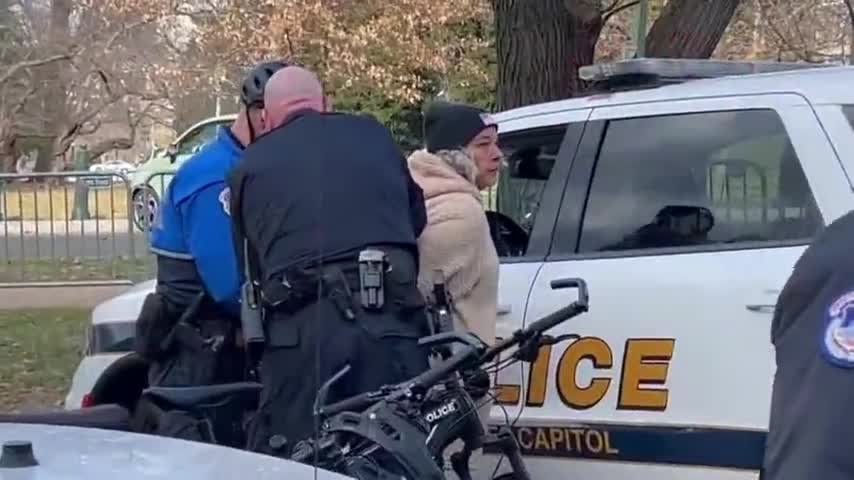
(302, 287)
(341, 281)
(197, 349)
(157, 318)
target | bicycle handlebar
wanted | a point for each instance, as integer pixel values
(359, 402)
(549, 321)
(467, 354)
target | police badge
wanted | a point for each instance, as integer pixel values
(838, 335)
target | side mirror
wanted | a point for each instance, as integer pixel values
(686, 220)
(172, 152)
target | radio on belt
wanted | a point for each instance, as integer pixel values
(372, 266)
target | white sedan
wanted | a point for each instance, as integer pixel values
(114, 166)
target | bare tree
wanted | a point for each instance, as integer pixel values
(82, 63)
(849, 7)
(542, 43)
(806, 30)
(690, 28)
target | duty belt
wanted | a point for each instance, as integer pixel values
(296, 290)
(336, 281)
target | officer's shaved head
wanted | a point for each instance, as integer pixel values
(291, 89)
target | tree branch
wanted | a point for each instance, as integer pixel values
(587, 11)
(16, 68)
(615, 9)
(121, 143)
(800, 47)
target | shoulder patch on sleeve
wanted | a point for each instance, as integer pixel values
(207, 167)
(837, 341)
(225, 200)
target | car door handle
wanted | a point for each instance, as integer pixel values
(760, 308)
(504, 309)
(765, 307)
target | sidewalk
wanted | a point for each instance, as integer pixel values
(13, 228)
(14, 298)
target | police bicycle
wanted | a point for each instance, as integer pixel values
(383, 434)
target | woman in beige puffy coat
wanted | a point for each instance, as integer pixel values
(461, 158)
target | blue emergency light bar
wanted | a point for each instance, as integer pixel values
(654, 72)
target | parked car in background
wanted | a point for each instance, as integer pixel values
(151, 178)
(114, 166)
(110, 166)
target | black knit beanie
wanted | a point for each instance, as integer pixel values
(450, 126)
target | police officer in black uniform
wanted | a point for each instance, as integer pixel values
(330, 217)
(810, 431)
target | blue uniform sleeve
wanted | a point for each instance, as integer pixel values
(167, 238)
(207, 229)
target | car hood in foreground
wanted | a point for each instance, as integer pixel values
(65, 453)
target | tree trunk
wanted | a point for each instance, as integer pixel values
(849, 7)
(55, 109)
(542, 43)
(540, 46)
(689, 28)
(7, 147)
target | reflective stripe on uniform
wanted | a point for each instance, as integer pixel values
(170, 254)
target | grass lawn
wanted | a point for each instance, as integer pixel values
(63, 269)
(39, 350)
(56, 202)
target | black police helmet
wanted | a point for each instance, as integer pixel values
(252, 91)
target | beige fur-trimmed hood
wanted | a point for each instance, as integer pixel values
(448, 171)
(456, 239)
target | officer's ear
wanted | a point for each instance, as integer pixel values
(262, 119)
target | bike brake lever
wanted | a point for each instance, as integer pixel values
(529, 350)
(551, 340)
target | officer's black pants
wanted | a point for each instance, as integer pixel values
(307, 348)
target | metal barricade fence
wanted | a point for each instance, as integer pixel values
(82, 228)
(71, 228)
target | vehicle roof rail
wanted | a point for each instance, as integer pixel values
(643, 73)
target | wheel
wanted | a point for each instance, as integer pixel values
(145, 204)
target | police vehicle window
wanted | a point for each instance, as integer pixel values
(197, 138)
(848, 111)
(512, 206)
(716, 178)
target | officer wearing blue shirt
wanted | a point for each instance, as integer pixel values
(189, 328)
(192, 232)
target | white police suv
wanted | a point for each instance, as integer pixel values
(683, 192)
